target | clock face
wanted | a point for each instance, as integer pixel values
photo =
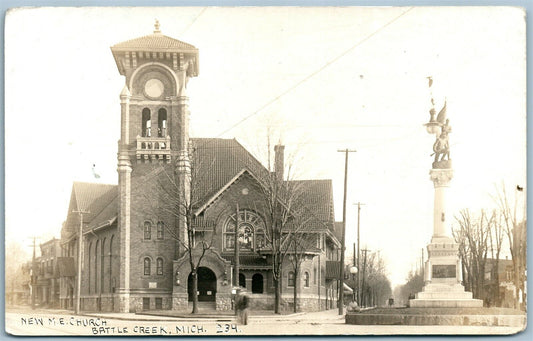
(154, 88)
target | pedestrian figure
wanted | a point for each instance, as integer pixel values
(242, 308)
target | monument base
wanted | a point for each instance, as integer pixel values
(444, 296)
(443, 278)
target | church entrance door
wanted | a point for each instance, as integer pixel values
(207, 285)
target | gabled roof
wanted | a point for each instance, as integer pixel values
(99, 201)
(224, 159)
(227, 160)
(221, 190)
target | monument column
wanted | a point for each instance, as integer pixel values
(441, 179)
(443, 273)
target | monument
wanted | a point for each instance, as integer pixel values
(443, 271)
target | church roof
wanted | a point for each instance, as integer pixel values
(154, 42)
(338, 230)
(224, 158)
(317, 197)
(94, 200)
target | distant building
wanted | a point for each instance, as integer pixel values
(46, 276)
(499, 287)
(130, 261)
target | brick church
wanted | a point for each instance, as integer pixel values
(130, 257)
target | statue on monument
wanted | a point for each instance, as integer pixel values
(441, 147)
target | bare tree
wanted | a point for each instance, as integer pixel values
(280, 201)
(177, 197)
(377, 288)
(300, 240)
(15, 276)
(414, 283)
(496, 236)
(515, 230)
(473, 238)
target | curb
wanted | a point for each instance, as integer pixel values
(164, 318)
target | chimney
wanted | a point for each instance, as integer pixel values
(278, 161)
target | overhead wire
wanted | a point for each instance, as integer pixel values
(312, 74)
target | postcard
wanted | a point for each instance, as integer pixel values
(265, 170)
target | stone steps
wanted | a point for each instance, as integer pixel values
(444, 295)
(445, 303)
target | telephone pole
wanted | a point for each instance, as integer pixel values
(78, 281)
(341, 286)
(358, 252)
(364, 268)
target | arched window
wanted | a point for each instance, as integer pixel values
(160, 230)
(159, 266)
(96, 249)
(251, 231)
(290, 279)
(162, 123)
(242, 280)
(306, 279)
(147, 230)
(257, 284)
(146, 123)
(102, 267)
(147, 265)
(111, 288)
(89, 267)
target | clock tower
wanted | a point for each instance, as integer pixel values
(154, 131)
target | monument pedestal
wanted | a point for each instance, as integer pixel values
(443, 270)
(443, 278)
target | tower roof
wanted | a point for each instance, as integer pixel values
(154, 42)
(155, 46)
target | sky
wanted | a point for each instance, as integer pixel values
(315, 79)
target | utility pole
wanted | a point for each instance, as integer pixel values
(78, 281)
(355, 284)
(364, 269)
(358, 253)
(33, 276)
(341, 286)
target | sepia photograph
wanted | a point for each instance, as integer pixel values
(229, 171)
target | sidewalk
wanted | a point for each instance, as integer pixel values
(205, 316)
(320, 316)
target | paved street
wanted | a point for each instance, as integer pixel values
(49, 322)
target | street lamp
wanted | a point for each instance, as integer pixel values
(353, 271)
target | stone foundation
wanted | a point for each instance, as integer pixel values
(224, 302)
(262, 302)
(179, 302)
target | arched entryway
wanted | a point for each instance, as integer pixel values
(207, 285)
(257, 284)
